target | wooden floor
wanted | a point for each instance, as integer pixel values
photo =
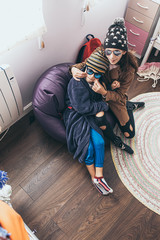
(54, 194)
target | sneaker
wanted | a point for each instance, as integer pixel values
(102, 186)
(135, 105)
(118, 143)
(138, 105)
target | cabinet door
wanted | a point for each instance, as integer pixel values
(146, 7)
(138, 19)
(136, 33)
(135, 45)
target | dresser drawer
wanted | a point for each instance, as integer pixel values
(136, 33)
(146, 7)
(135, 45)
(138, 19)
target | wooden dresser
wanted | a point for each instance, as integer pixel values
(140, 18)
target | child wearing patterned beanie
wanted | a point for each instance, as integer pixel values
(98, 62)
(84, 138)
(84, 134)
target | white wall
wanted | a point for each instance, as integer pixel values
(63, 38)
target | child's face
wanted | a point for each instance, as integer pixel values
(92, 75)
(114, 55)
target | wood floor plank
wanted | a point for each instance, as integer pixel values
(90, 212)
(48, 172)
(20, 200)
(30, 136)
(22, 161)
(16, 131)
(77, 209)
(140, 223)
(59, 192)
(52, 232)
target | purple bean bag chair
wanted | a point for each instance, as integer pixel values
(49, 100)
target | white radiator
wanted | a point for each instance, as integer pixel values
(10, 98)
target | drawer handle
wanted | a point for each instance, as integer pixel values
(133, 45)
(142, 6)
(137, 34)
(139, 21)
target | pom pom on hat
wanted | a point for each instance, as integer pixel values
(98, 62)
(116, 36)
(119, 21)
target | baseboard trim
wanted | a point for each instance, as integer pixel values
(27, 108)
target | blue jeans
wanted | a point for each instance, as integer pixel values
(95, 152)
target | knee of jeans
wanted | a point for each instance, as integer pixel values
(131, 134)
(100, 121)
(103, 127)
(100, 114)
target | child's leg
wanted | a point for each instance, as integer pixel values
(108, 133)
(91, 170)
(89, 160)
(100, 115)
(95, 155)
(99, 145)
(129, 128)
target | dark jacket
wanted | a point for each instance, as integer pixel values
(79, 116)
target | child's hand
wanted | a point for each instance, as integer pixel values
(77, 74)
(98, 88)
(115, 85)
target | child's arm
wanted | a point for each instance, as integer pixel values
(80, 99)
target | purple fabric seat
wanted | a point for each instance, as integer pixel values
(49, 100)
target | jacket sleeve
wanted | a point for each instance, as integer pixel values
(120, 93)
(78, 65)
(80, 99)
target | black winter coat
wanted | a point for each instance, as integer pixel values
(83, 105)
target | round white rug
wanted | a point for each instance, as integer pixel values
(140, 172)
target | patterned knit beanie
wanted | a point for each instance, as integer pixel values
(98, 62)
(116, 36)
